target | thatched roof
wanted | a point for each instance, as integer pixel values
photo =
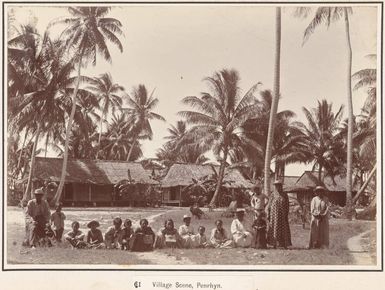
(181, 174)
(91, 171)
(288, 182)
(309, 180)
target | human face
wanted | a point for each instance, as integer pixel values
(187, 221)
(93, 227)
(169, 225)
(144, 224)
(219, 225)
(75, 227)
(201, 231)
(117, 226)
(279, 188)
(38, 197)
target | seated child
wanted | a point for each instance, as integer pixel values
(168, 237)
(94, 236)
(113, 235)
(57, 222)
(186, 232)
(127, 233)
(75, 237)
(143, 238)
(200, 240)
(259, 227)
(219, 238)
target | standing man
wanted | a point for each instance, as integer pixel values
(37, 216)
(319, 225)
(278, 216)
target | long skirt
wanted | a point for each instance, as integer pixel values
(242, 241)
(319, 233)
(260, 239)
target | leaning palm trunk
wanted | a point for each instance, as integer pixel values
(21, 153)
(131, 149)
(274, 106)
(68, 136)
(365, 185)
(221, 174)
(27, 193)
(349, 158)
(100, 137)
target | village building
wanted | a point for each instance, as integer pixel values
(94, 182)
(182, 175)
(303, 188)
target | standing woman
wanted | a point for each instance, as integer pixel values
(278, 215)
(319, 225)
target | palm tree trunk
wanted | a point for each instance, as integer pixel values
(21, 152)
(46, 146)
(366, 183)
(100, 136)
(274, 105)
(131, 149)
(58, 194)
(349, 158)
(221, 174)
(319, 173)
(27, 194)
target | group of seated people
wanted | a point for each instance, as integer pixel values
(122, 235)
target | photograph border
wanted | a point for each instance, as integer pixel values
(212, 269)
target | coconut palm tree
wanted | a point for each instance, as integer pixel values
(327, 15)
(139, 114)
(274, 107)
(108, 95)
(322, 141)
(85, 36)
(218, 117)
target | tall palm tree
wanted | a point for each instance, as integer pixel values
(218, 117)
(274, 107)
(85, 36)
(108, 95)
(322, 142)
(327, 15)
(139, 114)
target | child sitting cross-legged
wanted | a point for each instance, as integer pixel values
(127, 234)
(94, 236)
(168, 237)
(75, 237)
(143, 238)
(200, 240)
(113, 236)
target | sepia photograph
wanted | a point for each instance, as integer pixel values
(192, 136)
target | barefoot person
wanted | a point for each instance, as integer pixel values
(242, 236)
(94, 236)
(57, 222)
(143, 239)
(37, 216)
(75, 237)
(278, 216)
(258, 200)
(319, 225)
(186, 232)
(219, 238)
(168, 237)
(114, 234)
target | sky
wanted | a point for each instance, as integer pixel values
(172, 48)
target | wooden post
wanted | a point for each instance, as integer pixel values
(180, 196)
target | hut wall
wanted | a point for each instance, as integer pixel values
(101, 193)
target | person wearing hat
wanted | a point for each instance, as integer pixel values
(278, 233)
(94, 236)
(186, 232)
(37, 216)
(242, 236)
(114, 234)
(319, 224)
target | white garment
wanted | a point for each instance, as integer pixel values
(241, 236)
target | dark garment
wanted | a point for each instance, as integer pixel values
(37, 230)
(278, 215)
(127, 235)
(143, 240)
(58, 234)
(259, 226)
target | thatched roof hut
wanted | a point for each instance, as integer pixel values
(181, 174)
(91, 171)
